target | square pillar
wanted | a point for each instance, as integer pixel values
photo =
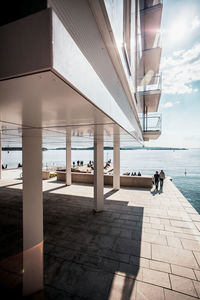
(68, 157)
(98, 169)
(116, 159)
(32, 211)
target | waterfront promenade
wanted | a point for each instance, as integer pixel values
(143, 246)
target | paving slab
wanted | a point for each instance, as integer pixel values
(197, 287)
(183, 285)
(197, 255)
(191, 245)
(197, 273)
(156, 277)
(174, 256)
(169, 295)
(182, 271)
(143, 246)
(160, 266)
(174, 242)
(146, 291)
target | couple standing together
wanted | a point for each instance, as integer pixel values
(159, 177)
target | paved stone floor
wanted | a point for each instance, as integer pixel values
(144, 245)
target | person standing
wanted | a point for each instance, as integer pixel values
(162, 177)
(156, 179)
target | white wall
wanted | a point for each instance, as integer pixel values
(79, 21)
(69, 61)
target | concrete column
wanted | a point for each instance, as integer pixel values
(32, 211)
(116, 159)
(68, 157)
(0, 155)
(98, 169)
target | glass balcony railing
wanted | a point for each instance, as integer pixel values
(150, 3)
(149, 83)
(151, 122)
(151, 40)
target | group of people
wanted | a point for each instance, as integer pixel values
(159, 177)
(134, 174)
(4, 167)
(79, 163)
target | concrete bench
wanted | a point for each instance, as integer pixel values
(127, 181)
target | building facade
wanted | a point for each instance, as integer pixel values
(83, 69)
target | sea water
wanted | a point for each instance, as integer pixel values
(182, 165)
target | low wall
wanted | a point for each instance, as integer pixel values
(45, 175)
(129, 181)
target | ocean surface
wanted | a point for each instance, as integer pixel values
(182, 165)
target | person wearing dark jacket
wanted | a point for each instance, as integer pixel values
(156, 179)
(162, 177)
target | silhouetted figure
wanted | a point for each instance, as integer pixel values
(132, 174)
(6, 166)
(139, 174)
(162, 177)
(156, 179)
(78, 162)
(3, 167)
(19, 165)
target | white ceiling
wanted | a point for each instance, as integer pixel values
(46, 102)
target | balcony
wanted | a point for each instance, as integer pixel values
(150, 17)
(151, 125)
(149, 62)
(151, 40)
(150, 4)
(149, 92)
(149, 83)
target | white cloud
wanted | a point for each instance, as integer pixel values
(196, 22)
(168, 104)
(180, 71)
(178, 53)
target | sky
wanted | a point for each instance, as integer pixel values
(180, 67)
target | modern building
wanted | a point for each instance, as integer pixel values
(75, 70)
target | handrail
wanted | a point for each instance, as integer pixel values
(155, 42)
(151, 122)
(149, 83)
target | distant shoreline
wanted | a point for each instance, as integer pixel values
(105, 148)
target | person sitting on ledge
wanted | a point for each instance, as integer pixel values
(3, 167)
(19, 165)
(139, 174)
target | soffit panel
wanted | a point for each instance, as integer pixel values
(45, 101)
